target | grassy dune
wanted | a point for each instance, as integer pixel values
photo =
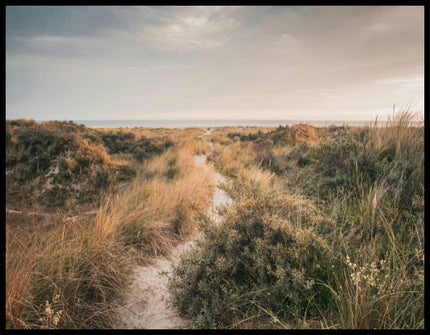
(326, 230)
(71, 274)
(326, 227)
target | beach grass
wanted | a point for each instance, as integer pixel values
(325, 227)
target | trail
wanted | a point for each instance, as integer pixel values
(148, 304)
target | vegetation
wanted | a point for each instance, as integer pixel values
(53, 162)
(326, 231)
(265, 255)
(325, 228)
(71, 274)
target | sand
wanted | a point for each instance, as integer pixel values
(148, 303)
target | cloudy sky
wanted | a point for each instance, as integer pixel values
(308, 63)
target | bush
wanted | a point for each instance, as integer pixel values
(335, 164)
(140, 155)
(265, 254)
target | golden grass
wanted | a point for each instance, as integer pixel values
(70, 275)
(63, 261)
(305, 133)
(232, 158)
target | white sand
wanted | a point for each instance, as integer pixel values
(148, 300)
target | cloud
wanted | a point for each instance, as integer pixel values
(408, 82)
(55, 41)
(133, 31)
(195, 28)
(174, 59)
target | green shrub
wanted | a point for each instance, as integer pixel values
(140, 154)
(264, 253)
(243, 137)
(127, 143)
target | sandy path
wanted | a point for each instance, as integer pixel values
(148, 303)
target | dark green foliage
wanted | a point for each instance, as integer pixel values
(101, 179)
(172, 170)
(140, 154)
(265, 251)
(126, 143)
(336, 164)
(243, 137)
(348, 163)
(171, 173)
(282, 135)
(388, 154)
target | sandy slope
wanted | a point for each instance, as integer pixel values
(148, 304)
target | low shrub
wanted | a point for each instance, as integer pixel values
(265, 255)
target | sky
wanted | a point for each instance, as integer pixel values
(287, 63)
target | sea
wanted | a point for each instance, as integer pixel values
(208, 123)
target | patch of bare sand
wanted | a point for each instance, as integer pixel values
(148, 303)
(148, 300)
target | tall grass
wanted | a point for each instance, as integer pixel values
(158, 209)
(382, 284)
(232, 158)
(371, 184)
(71, 275)
(61, 278)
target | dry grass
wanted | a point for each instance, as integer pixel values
(65, 269)
(157, 210)
(70, 275)
(232, 158)
(305, 133)
(368, 271)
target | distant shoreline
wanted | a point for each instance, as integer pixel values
(212, 123)
(184, 123)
